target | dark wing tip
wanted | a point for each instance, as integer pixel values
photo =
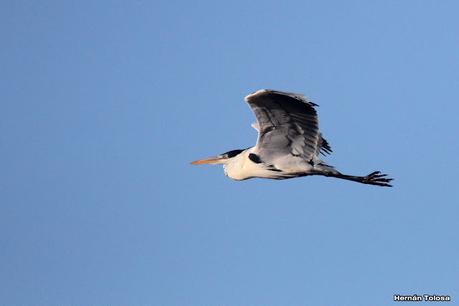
(325, 147)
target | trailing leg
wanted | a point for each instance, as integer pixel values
(374, 178)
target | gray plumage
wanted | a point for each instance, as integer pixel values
(289, 143)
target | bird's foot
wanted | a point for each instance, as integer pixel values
(377, 178)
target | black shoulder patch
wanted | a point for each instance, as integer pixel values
(255, 158)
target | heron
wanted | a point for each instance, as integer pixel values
(289, 143)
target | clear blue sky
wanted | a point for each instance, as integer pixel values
(105, 103)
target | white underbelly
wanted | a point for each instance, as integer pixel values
(242, 168)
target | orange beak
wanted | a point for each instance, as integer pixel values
(212, 160)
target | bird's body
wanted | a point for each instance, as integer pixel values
(246, 165)
(289, 143)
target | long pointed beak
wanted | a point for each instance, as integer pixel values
(211, 160)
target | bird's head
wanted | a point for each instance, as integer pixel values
(219, 159)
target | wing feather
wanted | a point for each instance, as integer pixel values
(288, 124)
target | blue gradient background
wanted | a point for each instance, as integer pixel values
(105, 103)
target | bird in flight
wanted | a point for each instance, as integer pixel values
(289, 143)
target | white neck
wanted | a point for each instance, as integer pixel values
(241, 167)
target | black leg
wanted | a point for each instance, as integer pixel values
(374, 178)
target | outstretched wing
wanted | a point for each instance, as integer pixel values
(287, 125)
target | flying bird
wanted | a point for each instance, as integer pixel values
(289, 143)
